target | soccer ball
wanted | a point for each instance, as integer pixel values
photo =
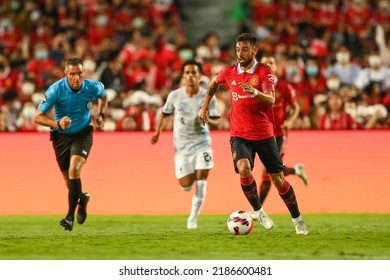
(240, 223)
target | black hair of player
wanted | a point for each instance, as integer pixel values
(192, 62)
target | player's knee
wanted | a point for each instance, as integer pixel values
(244, 168)
(244, 172)
(74, 173)
(278, 179)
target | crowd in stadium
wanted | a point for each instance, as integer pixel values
(335, 53)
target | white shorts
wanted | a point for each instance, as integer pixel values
(187, 164)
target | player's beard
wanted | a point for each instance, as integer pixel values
(245, 62)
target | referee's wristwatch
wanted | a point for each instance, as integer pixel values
(59, 126)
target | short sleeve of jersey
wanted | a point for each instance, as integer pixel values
(221, 76)
(100, 89)
(96, 85)
(49, 99)
(168, 106)
(268, 82)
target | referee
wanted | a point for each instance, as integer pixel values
(71, 134)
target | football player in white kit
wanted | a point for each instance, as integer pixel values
(193, 153)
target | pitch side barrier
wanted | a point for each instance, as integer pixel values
(126, 174)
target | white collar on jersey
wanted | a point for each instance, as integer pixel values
(250, 71)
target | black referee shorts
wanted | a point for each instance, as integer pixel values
(266, 149)
(67, 145)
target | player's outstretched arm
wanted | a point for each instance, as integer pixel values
(159, 126)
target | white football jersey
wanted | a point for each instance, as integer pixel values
(189, 134)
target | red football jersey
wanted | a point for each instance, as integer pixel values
(284, 96)
(249, 118)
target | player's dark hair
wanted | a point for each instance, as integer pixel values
(246, 37)
(74, 61)
(192, 62)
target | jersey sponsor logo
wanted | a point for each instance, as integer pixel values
(236, 96)
(254, 81)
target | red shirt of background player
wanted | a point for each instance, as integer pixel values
(284, 96)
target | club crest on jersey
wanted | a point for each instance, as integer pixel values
(89, 104)
(254, 81)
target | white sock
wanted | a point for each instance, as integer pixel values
(297, 219)
(261, 210)
(198, 198)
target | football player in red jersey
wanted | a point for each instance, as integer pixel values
(285, 99)
(252, 95)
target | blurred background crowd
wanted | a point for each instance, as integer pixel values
(335, 53)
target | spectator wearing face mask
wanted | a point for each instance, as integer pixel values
(10, 35)
(343, 67)
(374, 80)
(333, 82)
(100, 29)
(26, 118)
(314, 83)
(335, 116)
(39, 67)
(293, 72)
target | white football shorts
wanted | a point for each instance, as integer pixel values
(187, 164)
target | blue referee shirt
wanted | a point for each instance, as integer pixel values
(74, 104)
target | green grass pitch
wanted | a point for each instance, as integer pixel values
(165, 237)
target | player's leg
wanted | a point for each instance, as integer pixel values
(272, 160)
(198, 198)
(81, 147)
(75, 189)
(264, 187)
(185, 172)
(203, 164)
(243, 159)
(298, 169)
(62, 146)
(287, 193)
